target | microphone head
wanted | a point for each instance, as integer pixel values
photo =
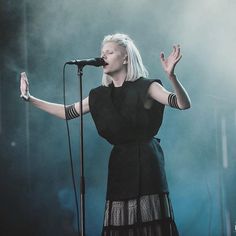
(99, 62)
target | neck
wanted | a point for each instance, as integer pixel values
(118, 79)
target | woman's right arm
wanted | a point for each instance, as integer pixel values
(52, 108)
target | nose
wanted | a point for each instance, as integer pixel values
(103, 56)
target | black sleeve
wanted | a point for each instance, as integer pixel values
(144, 85)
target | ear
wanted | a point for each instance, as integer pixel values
(125, 60)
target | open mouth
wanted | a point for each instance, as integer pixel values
(105, 64)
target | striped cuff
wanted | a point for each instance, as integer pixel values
(172, 101)
(71, 112)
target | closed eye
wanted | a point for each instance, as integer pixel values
(107, 52)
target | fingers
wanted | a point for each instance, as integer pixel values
(162, 56)
(173, 51)
(178, 58)
(173, 58)
(23, 76)
(24, 85)
(174, 54)
(177, 55)
(176, 50)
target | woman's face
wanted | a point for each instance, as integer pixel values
(116, 58)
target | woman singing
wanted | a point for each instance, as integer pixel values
(128, 110)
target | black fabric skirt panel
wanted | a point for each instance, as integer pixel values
(136, 169)
(149, 215)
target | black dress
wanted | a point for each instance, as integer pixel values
(137, 201)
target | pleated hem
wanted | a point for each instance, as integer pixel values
(148, 215)
(155, 228)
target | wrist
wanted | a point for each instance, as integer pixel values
(172, 77)
(26, 97)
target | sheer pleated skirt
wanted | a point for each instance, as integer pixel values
(149, 215)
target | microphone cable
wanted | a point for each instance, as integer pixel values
(70, 153)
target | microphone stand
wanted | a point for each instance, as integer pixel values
(80, 64)
(82, 179)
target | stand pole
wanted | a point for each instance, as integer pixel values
(82, 180)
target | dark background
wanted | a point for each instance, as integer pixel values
(36, 195)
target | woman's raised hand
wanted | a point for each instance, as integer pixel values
(24, 86)
(170, 62)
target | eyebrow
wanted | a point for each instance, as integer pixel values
(107, 50)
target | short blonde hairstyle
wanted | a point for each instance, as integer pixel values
(135, 67)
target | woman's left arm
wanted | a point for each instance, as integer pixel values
(180, 98)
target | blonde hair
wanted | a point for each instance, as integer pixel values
(135, 67)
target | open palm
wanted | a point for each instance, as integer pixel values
(170, 62)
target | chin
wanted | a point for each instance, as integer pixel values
(107, 72)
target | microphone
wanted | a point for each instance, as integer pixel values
(90, 62)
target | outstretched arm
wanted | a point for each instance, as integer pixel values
(52, 108)
(180, 99)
